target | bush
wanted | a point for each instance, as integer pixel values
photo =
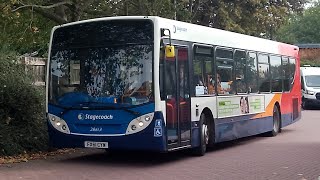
(312, 63)
(22, 110)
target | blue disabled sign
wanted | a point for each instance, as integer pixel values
(157, 132)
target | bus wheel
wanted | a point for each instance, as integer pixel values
(276, 122)
(204, 137)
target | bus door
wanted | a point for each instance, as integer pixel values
(178, 99)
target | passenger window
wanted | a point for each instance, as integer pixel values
(276, 73)
(202, 71)
(240, 66)
(252, 73)
(224, 76)
(292, 62)
(286, 74)
(264, 73)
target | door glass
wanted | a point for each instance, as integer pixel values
(177, 97)
(171, 100)
(184, 93)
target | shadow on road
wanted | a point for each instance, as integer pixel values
(313, 108)
(129, 158)
(145, 159)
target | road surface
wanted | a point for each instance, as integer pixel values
(292, 155)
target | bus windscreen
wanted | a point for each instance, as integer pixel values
(102, 62)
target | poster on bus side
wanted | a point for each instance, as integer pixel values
(240, 105)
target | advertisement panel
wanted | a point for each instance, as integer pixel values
(240, 105)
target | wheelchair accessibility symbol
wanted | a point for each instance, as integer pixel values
(157, 132)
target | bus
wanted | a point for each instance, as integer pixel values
(155, 84)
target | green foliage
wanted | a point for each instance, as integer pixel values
(24, 31)
(302, 29)
(22, 122)
(312, 63)
(258, 18)
(253, 17)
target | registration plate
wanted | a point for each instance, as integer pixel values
(92, 144)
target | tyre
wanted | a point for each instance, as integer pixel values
(276, 122)
(304, 104)
(204, 137)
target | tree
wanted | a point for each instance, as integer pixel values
(24, 31)
(302, 28)
(252, 17)
(66, 11)
(260, 18)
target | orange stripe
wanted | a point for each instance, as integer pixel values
(269, 108)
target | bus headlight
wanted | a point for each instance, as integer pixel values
(147, 118)
(139, 123)
(58, 123)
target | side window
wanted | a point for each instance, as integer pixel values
(286, 74)
(252, 73)
(264, 73)
(202, 71)
(240, 71)
(292, 62)
(225, 70)
(197, 71)
(276, 75)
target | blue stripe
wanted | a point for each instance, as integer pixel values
(287, 119)
(244, 128)
(195, 134)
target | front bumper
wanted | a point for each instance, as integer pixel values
(143, 140)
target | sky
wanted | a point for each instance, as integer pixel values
(310, 4)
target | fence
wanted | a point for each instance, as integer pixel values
(37, 67)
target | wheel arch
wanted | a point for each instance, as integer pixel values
(210, 119)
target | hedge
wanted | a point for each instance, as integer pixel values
(22, 109)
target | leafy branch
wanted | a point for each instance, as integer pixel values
(40, 6)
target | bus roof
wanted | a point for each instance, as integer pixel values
(206, 35)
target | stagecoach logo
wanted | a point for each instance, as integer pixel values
(180, 29)
(82, 116)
